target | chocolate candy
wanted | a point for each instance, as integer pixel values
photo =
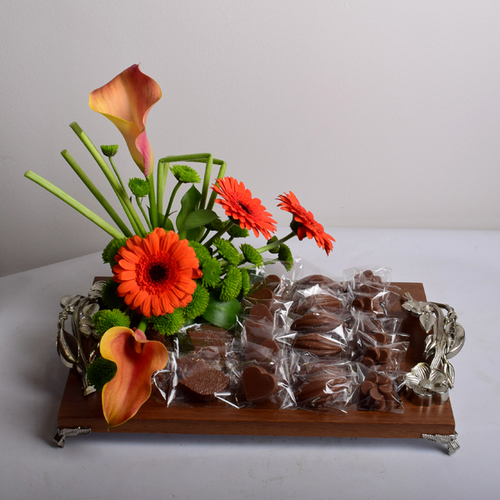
(258, 384)
(320, 301)
(318, 344)
(210, 339)
(316, 322)
(321, 389)
(203, 382)
(377, 393)
(379, 356)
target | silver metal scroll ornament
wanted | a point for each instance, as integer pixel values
(429, 384)
(70, 346)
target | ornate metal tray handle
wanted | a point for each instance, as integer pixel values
(70, 345)
(429, 384)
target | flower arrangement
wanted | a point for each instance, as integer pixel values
(170, 267)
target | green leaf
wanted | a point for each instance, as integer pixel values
(222, 314)
(169, 225)
(189, 203)
(198, 218)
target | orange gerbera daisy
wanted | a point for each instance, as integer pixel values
(238, 203)
(304, 223)
(156, 273)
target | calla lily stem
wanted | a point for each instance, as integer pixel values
(98, 221)
(98, 195)
(122, 196)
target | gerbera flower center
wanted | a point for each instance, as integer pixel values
(244, 207)
(157, 273)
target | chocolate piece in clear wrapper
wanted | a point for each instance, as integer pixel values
(209, 340)
(199, 380)
(316, 322)
(377, 393)
(318, 344)
(318, 301)
(258, 383)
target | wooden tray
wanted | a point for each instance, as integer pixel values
(77, 411)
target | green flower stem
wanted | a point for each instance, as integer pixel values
(74, 203)
(197, 158)
(93, 189)
(153, 214)
(171, 201)
(276, 243)
(143, 324)
(141, 208)
(206, 181)
(161, 180)
(120, 193)
(117, 174)
(220, 233)
(222, 171)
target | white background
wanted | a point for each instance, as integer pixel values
(376, 113)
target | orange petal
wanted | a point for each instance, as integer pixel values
(126, 101)
(136, 359)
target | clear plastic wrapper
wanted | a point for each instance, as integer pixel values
(325, 387)
(379, 392)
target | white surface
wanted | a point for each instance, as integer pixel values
(389, 109)
(457, 267)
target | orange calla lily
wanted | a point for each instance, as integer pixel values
(126, 101)
(136, 358)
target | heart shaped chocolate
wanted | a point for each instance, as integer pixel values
(258, 383)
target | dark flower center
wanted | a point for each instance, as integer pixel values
(158, 273)
(243, 207)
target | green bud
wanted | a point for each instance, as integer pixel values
(109, 151)
(139, 187)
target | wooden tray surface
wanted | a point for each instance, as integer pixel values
(154, 417)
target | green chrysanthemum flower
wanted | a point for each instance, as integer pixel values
(169, 324)
(199, 304)
(202, 253)
(231, 284)
(245, 281)
(212, 270)
(110, 295)
(252, 255)
(235, 231)
(139, 187)
(108, 254)
(227, 250)
(100, 372)
(285, 256)
(108, 318)
(185, 174)
(215, 225)
(276, 249)
(110, 150)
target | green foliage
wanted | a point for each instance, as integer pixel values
(212, 270)
(169, 324)
(198, 304)
(245, 281)
(110, 150)
(108, 318)
(286, 257)
(252, 255)
(108, 254)
(222, 314)
(110, 295)
(139, 187)
(100, 372)
(231, 284)
(235, 231)
(183, 173)
(276, 249)
(202, 253)
(227, 251)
